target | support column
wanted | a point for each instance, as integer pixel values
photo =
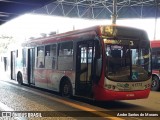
(114, 14)
(155, 25)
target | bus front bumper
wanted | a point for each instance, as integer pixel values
(108, 95)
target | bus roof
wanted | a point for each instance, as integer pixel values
(120, 31)
(155, 43)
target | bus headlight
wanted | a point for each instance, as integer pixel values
(110, 87)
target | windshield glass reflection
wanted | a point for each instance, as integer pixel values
(126, 62)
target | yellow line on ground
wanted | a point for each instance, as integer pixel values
(101, 114)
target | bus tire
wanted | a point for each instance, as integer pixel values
(155, 83)
(19, 78)
(66, 89)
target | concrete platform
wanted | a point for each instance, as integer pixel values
(21, 100)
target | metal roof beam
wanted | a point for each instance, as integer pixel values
(94, 8)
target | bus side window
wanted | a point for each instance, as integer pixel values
(40, 57)
(154, 60)
(65, 56)
(54, 54)
(50, 56)
(24, 57)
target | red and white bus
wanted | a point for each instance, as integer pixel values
(101, 63)
(155, 45)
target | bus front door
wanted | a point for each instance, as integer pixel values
(31, 63)
(84, 68)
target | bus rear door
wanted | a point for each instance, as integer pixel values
(31, 63)
(13, 65)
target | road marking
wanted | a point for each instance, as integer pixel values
(80, 107)
(5, 107)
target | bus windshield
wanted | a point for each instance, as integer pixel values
(127, 60)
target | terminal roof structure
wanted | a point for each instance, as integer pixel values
(10, 9)
(91, 9)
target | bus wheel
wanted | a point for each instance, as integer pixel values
(19, 78)
(66, 89)
(155, 83)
